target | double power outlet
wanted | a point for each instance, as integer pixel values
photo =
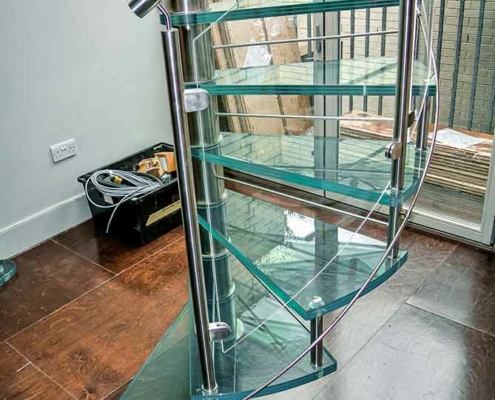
(63, 150)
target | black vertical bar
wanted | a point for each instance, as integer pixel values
(441, 19)
(352, 43)
(309, 28)
(416, 49)
(382, 52)
(367, 50)
(416, 39)
(476, 64)
(458, 45)
(353, 30)
(492, 105)
(367, 29)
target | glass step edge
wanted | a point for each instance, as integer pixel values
(308, 90)
(317, 312)
(363, 76)
(166, 374)
(253, 168)
(237, 14)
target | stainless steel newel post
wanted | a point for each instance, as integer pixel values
(171, 51)
(402, 122)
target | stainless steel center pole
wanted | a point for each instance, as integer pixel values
(402, 109)
(171, 51)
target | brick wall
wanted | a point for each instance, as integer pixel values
(482, 113)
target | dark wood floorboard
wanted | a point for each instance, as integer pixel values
(419, 356)
(462, 289)
(49, 276)
(20, 380)
(109, 252)
(386, 349)
(98, 342)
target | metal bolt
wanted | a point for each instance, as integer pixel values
(316, 302)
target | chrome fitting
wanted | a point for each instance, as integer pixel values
(219, 331)
(411, 118)
(196, 100)
(393, 151)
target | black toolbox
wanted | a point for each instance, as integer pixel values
(143, 218)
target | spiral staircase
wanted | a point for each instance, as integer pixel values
(271, 273)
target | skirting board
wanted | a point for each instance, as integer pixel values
(41, 226)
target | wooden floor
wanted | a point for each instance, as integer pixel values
(84, 313)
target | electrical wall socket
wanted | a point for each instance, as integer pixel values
(63, 150)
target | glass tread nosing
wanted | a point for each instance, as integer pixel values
(362, 171)
(370, 76)
(300, 257)
(246, 9)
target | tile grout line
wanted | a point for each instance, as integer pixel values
(126, 269)
(152, 254)
(89, 291)
(432, 271)
(82, 256)
(451, 320)
(381, 326)
(29, 362)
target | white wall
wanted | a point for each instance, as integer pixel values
(88, 70)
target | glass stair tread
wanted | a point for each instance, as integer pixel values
(360, 169)
(235, 11)
(7, 271)
(370, 76)
(172, 371)
(297, 257)
(165, 374)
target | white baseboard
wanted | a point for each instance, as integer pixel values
(41, 226)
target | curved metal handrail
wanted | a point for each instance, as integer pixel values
(392, 243)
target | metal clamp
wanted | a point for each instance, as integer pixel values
(411, 118)
(393, 151)
(219, 331)
(196, 100)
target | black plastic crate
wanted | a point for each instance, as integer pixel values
(145, 217)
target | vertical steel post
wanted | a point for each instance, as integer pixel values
(402, 109)
(425, 117)
(171, 51)
(198, 61)
(315, 331)
(424, 126)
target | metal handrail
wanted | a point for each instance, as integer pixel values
(310, 39)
